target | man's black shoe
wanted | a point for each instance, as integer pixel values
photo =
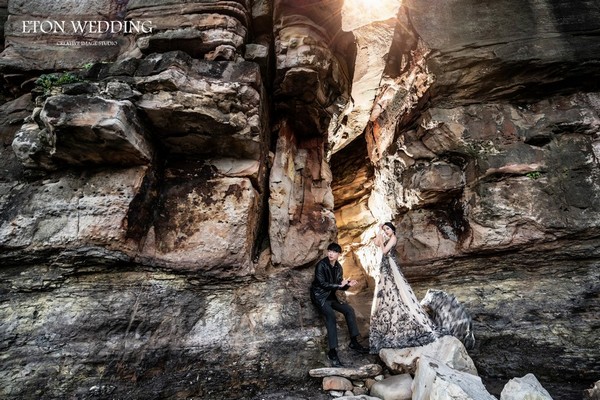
(354, 345)
(335, 361)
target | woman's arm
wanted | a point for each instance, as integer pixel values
(379, 239)
(390, 245)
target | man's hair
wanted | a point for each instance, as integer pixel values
(335, 247)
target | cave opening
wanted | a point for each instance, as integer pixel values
(353, 176)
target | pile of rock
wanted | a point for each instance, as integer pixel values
(349, 381)
(440, 370)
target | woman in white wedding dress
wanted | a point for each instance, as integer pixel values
(397, 319)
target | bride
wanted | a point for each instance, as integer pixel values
(397, 319)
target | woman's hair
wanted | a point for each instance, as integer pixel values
(391, 226)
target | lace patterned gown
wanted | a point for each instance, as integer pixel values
(397, 319)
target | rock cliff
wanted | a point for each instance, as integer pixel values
(164, 195)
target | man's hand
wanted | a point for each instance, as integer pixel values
(349, 282)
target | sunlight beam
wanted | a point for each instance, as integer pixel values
(357, 13)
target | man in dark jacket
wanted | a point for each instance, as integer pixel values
(329, 279)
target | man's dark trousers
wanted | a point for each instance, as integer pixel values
(327, 309)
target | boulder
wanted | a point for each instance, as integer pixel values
(594, 392)
(526, 387)
(396, 387)
(447, 350)
(435, 381)
(336, 383)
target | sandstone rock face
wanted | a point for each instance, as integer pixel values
(491, 183)
(499, 185)
(112, 323)
(73, 211)
(302, 223)
(160, 214)
(484, 57)
(214, 30)
(96, 131)
(32, 38)
(204, 219)
(219, 107)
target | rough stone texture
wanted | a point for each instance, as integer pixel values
(30, 51)
(309, 77)
(492, 51)
(211, 30)
(446, 349)
(204, 220)
(83, 131)
(512, 174)
(529, 166)
(365, 371)
(396, 387)
(75, 211)
(372, 46)
(219, 107)
(594, 392)
(336, 383)
(13, 113)
(543, 301)
(526, 387)
(300, 204)
(3, 17)
(436, 381)
(98, 330)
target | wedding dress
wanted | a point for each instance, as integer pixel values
(397, 319)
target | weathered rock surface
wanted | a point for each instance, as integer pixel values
(526, 387)
(3, 17)
(78, 211)
(302, 223)
(395, 387)
(40, 45)
(365, 371)
(101, 329)
(83, 131)
(594, 392)
(211, 30)
(507, 49)
(446, 349)
(435, 380)
(337, 383)
(219, 106)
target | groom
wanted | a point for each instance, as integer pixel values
(328, 279)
